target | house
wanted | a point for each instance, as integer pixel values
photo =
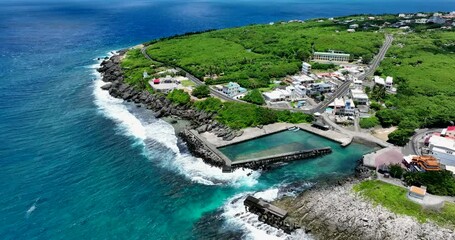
(354, 26)
(343, 107)
(277, 95)
(442, 148)
(405, 28)
(331, 56)
(145, 75)
(417, 192)
(448, 132)
(156, 81)
(351, 30)
(321, 87)
(302, 80)
(426, 163)
(436, 20)
(388, 82)
(379, 81)
(421, 20)
(358, 83)
(360, 97)
(232, 88)
(371, 18)
(306, 68)
(421, 15)
(401, 15)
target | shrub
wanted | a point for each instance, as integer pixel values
(201, 91)
(179, 97)
(400, 136)
(210, 104)
(437, 182)
(369, 122)
(396, 170)
(254, 96)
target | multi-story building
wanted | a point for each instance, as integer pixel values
(331, 56)
(443, 148)
(306, 68)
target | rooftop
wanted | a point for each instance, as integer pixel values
(442, 142)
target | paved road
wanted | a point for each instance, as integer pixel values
(365, 136)
(378, 58)
(341, 90)
(194, 79)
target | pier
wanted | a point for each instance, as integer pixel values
(256, 163)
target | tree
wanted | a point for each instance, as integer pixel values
(396, 171)
(400, 137)
(179, 97)
(254, 96)
(369, 122)
(201, 91)
(388, 117)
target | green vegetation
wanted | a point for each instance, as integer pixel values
(396, 171)
(242, 115)
(394, 198)
(323, 66)
(254, 55)
(422, 66)
(437, 182)
(369, 122)
(254, 96)
(187, 83)
(133, 66)
(201, 91)
(179, 97)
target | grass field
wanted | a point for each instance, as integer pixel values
(394, 198)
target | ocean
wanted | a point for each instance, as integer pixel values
(76, 163)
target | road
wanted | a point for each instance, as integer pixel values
(194, 79)
(378, 58)
(339, 92)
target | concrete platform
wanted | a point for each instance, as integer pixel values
(255, 132)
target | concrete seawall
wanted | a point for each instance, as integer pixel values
(255, 132)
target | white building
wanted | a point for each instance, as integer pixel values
(443, 149)
(354, 26)
(359, 96)
(277, 95)
(358, 83)
(351, 30)
(388, 82)
(421, 20)
(302, 80)
(306, 68)
(232, 89)
(331, 56)
(379, 81)
(343, 107)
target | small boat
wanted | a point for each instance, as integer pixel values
(293, 128)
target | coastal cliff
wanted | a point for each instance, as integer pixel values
(201, 121)
(337, 212)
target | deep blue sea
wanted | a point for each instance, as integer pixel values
(78, 164)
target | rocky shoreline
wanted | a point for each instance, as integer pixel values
(335, 211)
(112, 75)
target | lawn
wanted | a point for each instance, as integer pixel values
(394, 198)
(133, 66)
(187, 83)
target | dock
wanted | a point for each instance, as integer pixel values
(256, 163)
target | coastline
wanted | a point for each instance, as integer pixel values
(335, 211)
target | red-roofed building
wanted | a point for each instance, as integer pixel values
(450, 132)
(156, 81)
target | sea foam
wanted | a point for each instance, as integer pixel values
(237, 218)
(163, 133)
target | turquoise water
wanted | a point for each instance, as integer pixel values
(76, 164)
(277, 143)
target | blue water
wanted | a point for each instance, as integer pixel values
(76, 164)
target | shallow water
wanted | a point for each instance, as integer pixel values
(77, 164)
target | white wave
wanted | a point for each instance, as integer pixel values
(32, 208)
(163, 133)
(237, 218)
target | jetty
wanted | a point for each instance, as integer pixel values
(256, 163)
(210, 153)
(268, 213)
